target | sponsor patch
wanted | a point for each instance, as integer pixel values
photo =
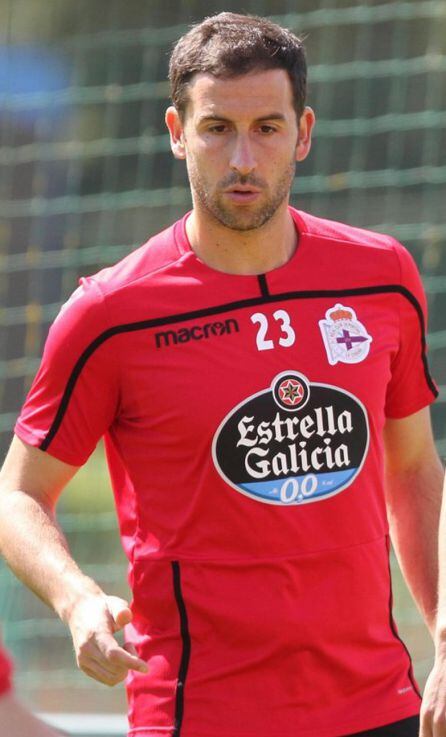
(345, 338)
(293, 443)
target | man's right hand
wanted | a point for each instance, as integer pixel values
(93, 622)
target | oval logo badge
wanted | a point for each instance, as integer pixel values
(294, 443)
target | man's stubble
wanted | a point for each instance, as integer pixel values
(237, 217)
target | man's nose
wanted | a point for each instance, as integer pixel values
(242, 159)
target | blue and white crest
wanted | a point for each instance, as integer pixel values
(345, 338)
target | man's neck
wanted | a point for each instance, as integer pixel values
(242, 252)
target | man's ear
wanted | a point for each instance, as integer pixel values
(306, 123)
(176, 132)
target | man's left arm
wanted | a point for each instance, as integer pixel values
(414, 477)
(413, 487)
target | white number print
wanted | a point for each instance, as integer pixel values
(290, 492)
(262, 343)
(288, 336)
(285, 325)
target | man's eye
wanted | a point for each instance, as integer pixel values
(217, 128)
(267, 129)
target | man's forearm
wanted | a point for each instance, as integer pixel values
(441, 615)
(414, 504)
(433, 710)
(37, 552)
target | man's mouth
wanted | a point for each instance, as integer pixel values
(242, 194)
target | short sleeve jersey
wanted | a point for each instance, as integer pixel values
(243, 420)
(5, 672)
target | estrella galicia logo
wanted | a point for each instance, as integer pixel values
(294, 443)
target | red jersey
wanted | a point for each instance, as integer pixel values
(243, 420)
(5, 672)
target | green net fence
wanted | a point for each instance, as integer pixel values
(86, 174)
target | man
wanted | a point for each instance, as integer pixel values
(246, 367)
(15, 719)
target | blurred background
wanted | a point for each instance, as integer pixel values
(86, 175)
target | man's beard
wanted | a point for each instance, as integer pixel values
(237, 218)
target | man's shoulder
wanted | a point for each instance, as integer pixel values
(332, 230)
(154, 256)
(118, 291)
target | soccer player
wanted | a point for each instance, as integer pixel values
(15, 719)
(260, 377)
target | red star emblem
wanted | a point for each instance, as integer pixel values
(291, 392)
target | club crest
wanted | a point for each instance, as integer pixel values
(345, 338)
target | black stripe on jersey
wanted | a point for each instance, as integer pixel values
(263, 284)
(410, 674)
(185, 656)
(239, 304)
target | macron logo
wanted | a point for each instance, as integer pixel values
(168, 338)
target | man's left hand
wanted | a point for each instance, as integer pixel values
(433, 708)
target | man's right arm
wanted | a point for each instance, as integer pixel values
(37, 552)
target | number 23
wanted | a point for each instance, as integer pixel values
(266, 344)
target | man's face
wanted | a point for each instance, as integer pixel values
(241, 139)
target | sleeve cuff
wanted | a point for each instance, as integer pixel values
(35, 439)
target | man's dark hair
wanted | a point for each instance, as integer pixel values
(230, 45)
